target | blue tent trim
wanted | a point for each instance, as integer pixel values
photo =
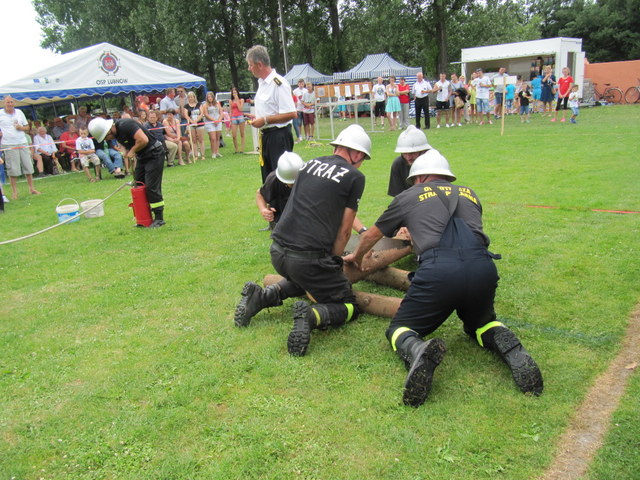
(90, 92)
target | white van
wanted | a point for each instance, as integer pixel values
(225, 97)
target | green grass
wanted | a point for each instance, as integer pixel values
(119, 358)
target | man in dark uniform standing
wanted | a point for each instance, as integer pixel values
(275, 110)
(272, 196)
(456, 272)
(140, 144)
(309, 240)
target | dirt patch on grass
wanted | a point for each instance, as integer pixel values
(591, 421)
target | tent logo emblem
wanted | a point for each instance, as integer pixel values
(109, 63)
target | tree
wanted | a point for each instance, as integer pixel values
(610, 29)
(333, 35)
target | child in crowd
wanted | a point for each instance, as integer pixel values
(574, 103)
(525, 99)
(509, 96)
(536, 85)
(87, 153)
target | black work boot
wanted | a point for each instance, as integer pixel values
(319, 316)
(253, 300)
(303, 323)
(524, 369)
(423, 358)
(158, 214)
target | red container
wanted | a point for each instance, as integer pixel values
(140, 205)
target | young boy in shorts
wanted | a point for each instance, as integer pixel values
(525, 100)
(574, 103)
(86, 151)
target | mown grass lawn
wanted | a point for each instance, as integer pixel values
(119, 358)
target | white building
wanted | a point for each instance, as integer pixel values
(528, 58)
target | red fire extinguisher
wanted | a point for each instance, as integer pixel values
(140, 205)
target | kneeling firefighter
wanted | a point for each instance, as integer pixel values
(456, 272)
(308, 242)
(148, 151)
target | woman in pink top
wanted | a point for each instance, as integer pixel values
(237, 119)
(403, 94)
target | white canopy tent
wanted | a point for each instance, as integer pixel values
(377, 65)
(99, 70)
(307, 73)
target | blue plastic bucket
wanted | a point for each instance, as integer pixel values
(68, 211)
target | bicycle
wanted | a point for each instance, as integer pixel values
(632, 95)
(609, 94)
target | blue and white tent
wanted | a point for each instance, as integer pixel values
(308, 73)
(101, 69)
(377, 65)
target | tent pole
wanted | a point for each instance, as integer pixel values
(284, 45)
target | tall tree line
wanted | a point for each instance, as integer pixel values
(210, 37)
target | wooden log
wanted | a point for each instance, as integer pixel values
(391, 277)
(379, 305)
(370, 303)
(376, 261)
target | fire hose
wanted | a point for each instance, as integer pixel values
(70, 219)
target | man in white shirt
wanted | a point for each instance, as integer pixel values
(482, 84)
(379, 91)
(275, 110)
(420, 91)
(299, 93)
(15, 146)
(168, 102)
(498, 90)
(46, 148)
(443, 89)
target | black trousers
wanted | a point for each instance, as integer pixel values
(322, 277)
(149, 168)
(422, 105)
(273, 143)
(464, 280)
(47, 163)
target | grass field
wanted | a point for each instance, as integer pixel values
(119, 358)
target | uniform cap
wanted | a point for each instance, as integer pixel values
(412, 140)
(289, 165)
(99, 127)
(431, 163)
(356, 138)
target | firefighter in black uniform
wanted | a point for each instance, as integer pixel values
(144, 146)
(456, 272)
(411, 144)
(309, 240)
(272, 196)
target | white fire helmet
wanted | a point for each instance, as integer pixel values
(356, 138)
(412, 140)
(431, 163)
(99, 128)
(289, 165)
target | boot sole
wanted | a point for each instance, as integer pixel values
(242, 318)
(524, 369)
(300, 336)
(420, 377)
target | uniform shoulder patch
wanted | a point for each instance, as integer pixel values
(277, 81)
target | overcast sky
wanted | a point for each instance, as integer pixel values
(20, 37)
